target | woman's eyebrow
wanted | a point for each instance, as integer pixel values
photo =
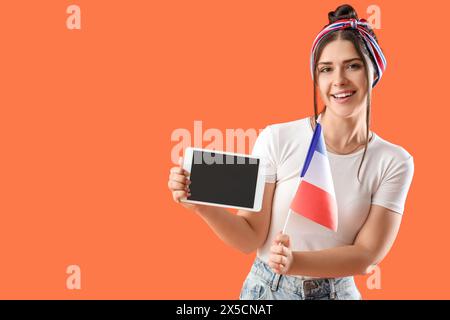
(345, 61)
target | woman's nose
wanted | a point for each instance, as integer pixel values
(339, 77)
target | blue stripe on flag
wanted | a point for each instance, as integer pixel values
(320, 146)
(316, 144)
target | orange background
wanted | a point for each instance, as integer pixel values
(86, 118)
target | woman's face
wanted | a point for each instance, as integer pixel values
(341, 72)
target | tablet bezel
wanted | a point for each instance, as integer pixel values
(260, 182)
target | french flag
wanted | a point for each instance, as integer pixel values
(315, 198)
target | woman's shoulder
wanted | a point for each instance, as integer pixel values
(291, 128)
(389, 150)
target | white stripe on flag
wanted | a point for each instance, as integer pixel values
(319, 173)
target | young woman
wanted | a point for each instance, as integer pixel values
(371, 179)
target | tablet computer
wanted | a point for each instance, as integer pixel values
(224, 179)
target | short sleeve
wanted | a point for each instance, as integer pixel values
(265, 148)
(394, 187)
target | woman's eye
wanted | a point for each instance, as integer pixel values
(355, 66)
(323, 70)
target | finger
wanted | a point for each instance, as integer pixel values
(285, 240)
(278, 259)
(277, 249)
(177, 195)
(179, 178)
(278, 242)
(178, 170)
(278, 237)
(173, 185)
(282, 260)
(276, 267)
(282, 238)
(288, 242)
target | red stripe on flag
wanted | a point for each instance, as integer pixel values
(315, 204)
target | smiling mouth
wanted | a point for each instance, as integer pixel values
(342, 97)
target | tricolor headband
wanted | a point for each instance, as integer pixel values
(362, 26)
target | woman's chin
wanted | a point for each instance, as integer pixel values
(342, 111)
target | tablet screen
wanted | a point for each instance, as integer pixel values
(223, 179)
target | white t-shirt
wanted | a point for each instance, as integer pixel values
(386, 175)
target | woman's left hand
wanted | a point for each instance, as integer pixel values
(280, 259)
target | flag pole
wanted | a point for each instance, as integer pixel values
(287, 219)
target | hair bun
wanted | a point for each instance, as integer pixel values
(344, 11)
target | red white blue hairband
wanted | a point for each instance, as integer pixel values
(362, 26)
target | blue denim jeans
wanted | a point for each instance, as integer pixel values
(264, 284)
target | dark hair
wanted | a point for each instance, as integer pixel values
(347, 12)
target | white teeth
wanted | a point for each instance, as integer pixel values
(343, 95)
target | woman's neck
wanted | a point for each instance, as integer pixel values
(344, 134)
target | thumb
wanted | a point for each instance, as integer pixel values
(180, 161)
(288, 241)
(279, 238)
(284, 239)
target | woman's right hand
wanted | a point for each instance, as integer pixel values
(179, 185)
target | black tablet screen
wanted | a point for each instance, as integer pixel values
(223, 179)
